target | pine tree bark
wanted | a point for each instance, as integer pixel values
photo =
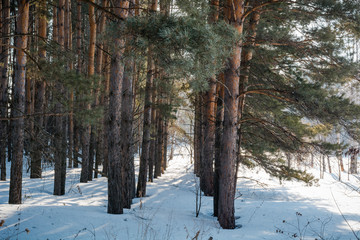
(353, 164)
(4, 57)
(127, 133)
(198, 144)
(218, 138)
(87, 150)
(153, 136)
(60, 121)
(29, 89)
(145, 149)
(106, 113)
(99, 99)
(234, 13)
(73, 125)
(160, 142)
(244, 78)
(165, 143)
(71, 93)
(40, 87)
(55, 26)
(157, 155)
(206, 171)
(18, 104)
(115, 162)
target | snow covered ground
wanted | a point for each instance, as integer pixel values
(265, 209)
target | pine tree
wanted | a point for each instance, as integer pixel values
(4, 56)
(116, 79)
(18, 104)
(145, 149)
(40, 89)
(60, 122)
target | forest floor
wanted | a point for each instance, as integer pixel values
(265, 209)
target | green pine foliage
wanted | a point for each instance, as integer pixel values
(185, 47)
(297, 77)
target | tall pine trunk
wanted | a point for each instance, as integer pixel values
(198, 143)
(234, 13)
(40, 87)
(73, 125)
(71, 93)
(89, 141)
(4, 58)
(106, 113)
(218, 137)
(206, 171)
(126, 133)
(99, 98)
(18, 104)
(145, 149)
(116, 79)
(244, 79)
(60, 121)
(153, 136)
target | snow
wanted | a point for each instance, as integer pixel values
(265, 209)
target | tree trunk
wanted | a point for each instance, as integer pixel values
(218, 138)
(165, 143)
(106, 113)
(234, 12)
(88, 145)
(76, 145)
(160, 142)
(74, 126)
(328, 160)
(153, 136)
(55, 27)
(115, 162)
(71, 94)
(145, 149)
(126, 132)
(18, 104)
(206, 171)
(244, 79)
(39, 98)
(157, 163)
(4, 58)
(92, 147)
(353, 164)
(99, 99)
(60, 122)
(145, 152)
(198, 144)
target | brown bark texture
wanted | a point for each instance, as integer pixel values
(18, 104)
(4, 57)
(127, 133)
(206, 171)
(145, 148)
(153, 136)
(60, 121)
(234, 13)
(218, 136)
(116, 79)
(40, 88)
